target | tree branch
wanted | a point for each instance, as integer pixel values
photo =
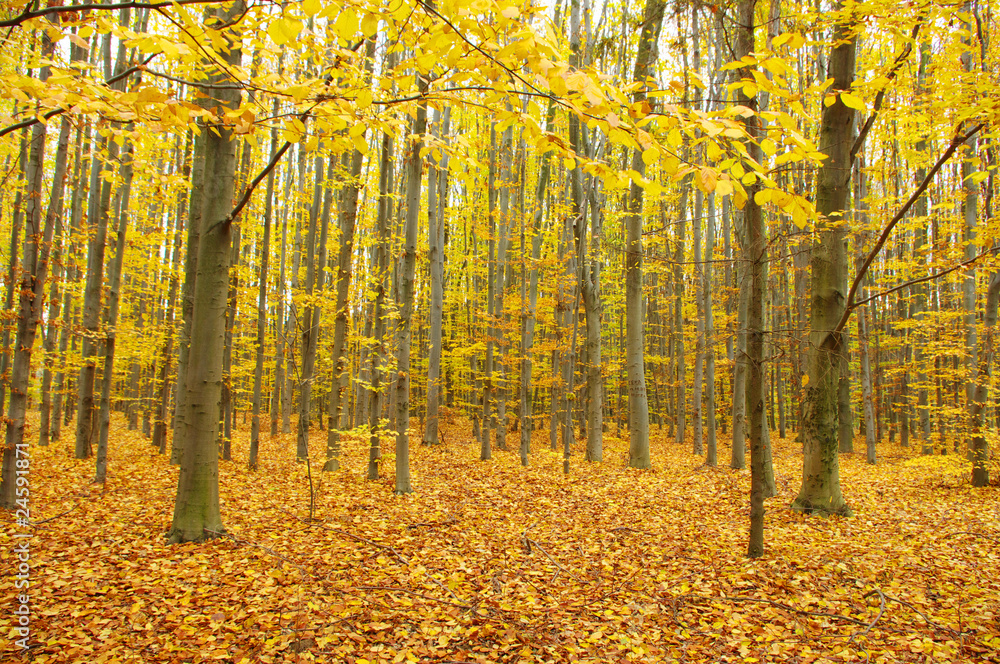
(956, 142)
(877, 106)
(929, 277)
(59, 111)
(28, 14)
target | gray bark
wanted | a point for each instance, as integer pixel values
(32, 284)
(196, 511)
(820, 491)
(634, 337)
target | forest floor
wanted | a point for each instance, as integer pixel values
(491, 562)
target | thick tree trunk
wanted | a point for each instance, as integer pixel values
(32, 288)
(820, 490)
(196, 511)
(979, 445)
(194, 226)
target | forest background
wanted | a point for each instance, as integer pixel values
(648, 236)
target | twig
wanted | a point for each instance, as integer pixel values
(524, 538)
(399, 589)
(414, 526)
(780, 605)
(969, 532)
(531, 542)
(51, 518)
(443, 587)
(881, 610)
(58, 111)
(921, 614)
(358, 538)
(957, 141)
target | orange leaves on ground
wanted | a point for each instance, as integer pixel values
(496, 563)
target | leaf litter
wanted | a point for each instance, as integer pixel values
(492, 562)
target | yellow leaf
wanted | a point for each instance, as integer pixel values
(364, 99)
(762, 196)
(312, 7)
(852, 101)
(283, 30)
(768, 147)
(805, 379)
(799, 217)
(347, 25)
(369, 25)
(360, 144)
(650, 156)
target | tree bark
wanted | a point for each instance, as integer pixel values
(820, 491)
(196, 511)
(635, 338)
(437, 193)
(34, 269)
(414, 176)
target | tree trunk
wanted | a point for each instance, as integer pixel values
(51, 335)
(820, 490)
(437, 192)
(414, 176)
(711, 457)
(319, 215)
(348, 220)
(979, 444)
(32, 287)
(380, 272)
(262, 277)
(635, 344)
(99, 211)
(196, 511)
(111, 315)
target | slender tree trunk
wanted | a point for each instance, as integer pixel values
(414, 176)
(262, 277)
(51, 335)
(711, 457)
(99, 211)
(437, 193)
(637, 405)
(319, 216)
(380, 276)
(111, 315)
(348, 219)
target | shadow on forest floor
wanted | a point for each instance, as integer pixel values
(491, 562)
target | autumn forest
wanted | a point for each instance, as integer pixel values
(479, 331)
